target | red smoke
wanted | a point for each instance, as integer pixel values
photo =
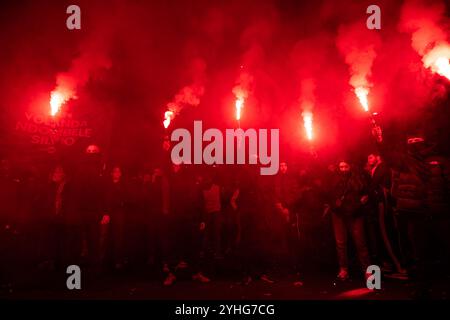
(427, 24)
(188, 95)
(358, 46)
(94, 56)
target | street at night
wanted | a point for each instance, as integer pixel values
(233, 154)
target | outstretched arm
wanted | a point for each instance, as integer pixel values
(394, 158)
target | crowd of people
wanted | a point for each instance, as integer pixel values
(188, 219)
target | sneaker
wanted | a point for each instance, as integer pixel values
(201, 278)
(343, 275)
(182, 265)
(166, 268)
(170, 279)
(298, 283)
(266, 279)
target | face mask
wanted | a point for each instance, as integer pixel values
(417, 149)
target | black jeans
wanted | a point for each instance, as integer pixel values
(354, 225)
(213, 230)
(160, 236)
(415, 229)
(92, 233)
(374, 240)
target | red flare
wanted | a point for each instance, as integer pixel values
(168, 116)
(361, 93)
(239, 106)
(308, 124)
(57, 99)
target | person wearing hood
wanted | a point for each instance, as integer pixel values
(420, 187)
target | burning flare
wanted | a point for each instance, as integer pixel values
(437, 59)
(168, 116)
(361, 93)
(241, 91)
(308, 124)
(241, 94)
(239, 106)
(57, 99)
(187, 96)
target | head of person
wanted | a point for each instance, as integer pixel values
(92, 155)
(373, 159)
(344, 167)
(92, 149)
(116, 173)
(283, 167)
(58, 174)
(416, 145)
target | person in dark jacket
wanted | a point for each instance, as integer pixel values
(156, 206)
(253, 206)
(89, 200)
(348, 195)
(8, 195)
(185, 216)
(316, 235)
(57, 206)
(378, 176)
(212, 217)
(114, 216)
(180, 190)
(286, 198)
(8, 208)
(420, 188)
